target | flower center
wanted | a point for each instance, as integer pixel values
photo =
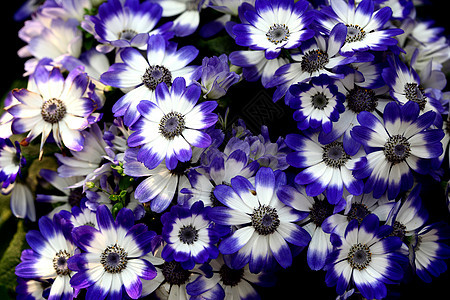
(354, 33)
(127, 34)
(319, 101)
(75, 196)
(359, 256)
(358, 212)
(171, 125)
(188, 234)
(154, 75)
(397, 149)
(320, 210)
(114, 259)
(60, 263)
(53, 110)
(278, 33)
(334, 155)
(174, 273)
(359, 99)
(414, 92)
(265, 219)
(314, 60)
(399, 230)
(229, 276)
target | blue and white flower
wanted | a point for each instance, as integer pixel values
(317, 104)
(265, 224)
(366, 28)
(190, 236)
(80, 215)
(141, 75)
(326, 167)
(429, 250)
(274, 25)
(319, 55)
(169, 127)
(400, 143)
(11, 162)
(51, 247)
(125, 23)
(59, 107)
(364, 256)
(112, 263)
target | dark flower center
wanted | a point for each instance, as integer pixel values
(397, 149)
(188, 234)
(354, 33)
(399, 230)
(60, 263)
(414, 92)
(154, 75)
(359, 256)
(174, 273)
(358, 212)
(334, 155)
(359, 99)
(320, 210)
(127, 34)
(171, 125)
(229, 276)
(314, 60)
(265, 219)
(319, 101)
(114, 259)
(278, 33)
(53, 110)
(75, 196)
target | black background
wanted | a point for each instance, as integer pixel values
(298, 281)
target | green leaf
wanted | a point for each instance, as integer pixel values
(11, 257)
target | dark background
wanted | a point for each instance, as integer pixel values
(298, 281)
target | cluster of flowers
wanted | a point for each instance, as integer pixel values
(155, 194)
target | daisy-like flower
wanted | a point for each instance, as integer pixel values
(140, 76)
(80, 215)
(318, 210)
(51, 247)
(124, 24)
(60, 106)
(400, 143)
(169, 127)
(112, 261)
(160, 185)
(429, 250)
(405, 85)
(366, 29)
(227, 281)
(11, 161)
(70, 197)
(265, 223)
(318, 56)
(220, 171)
(365, 256)
(190, 236)
(317, 104)
(274, 25)
(327, 167)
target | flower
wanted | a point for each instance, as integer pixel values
(318, 103)
(365, 256)
(265, 223)
(140, 76)
(274, 25)
(125, 23)
(365, 28)
(403, 141)
(11, 161)
(326, 167)
(170, 126)
(51, 247)
(60, 106)
(189, 235)
(80, 215)
(112, 260)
